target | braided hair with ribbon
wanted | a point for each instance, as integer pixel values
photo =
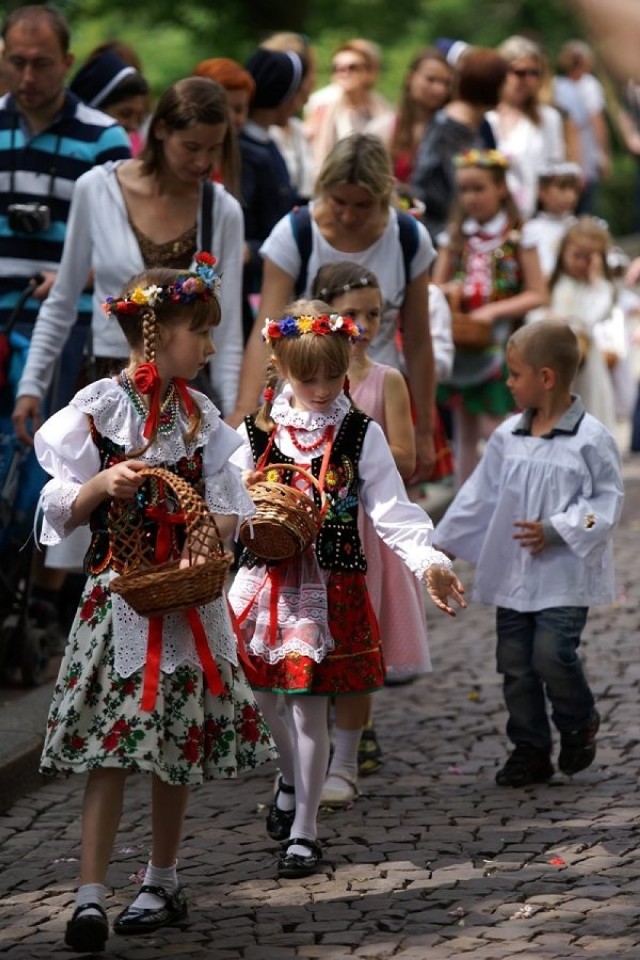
(158, 299)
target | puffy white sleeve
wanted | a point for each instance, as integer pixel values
(462, 530)
(403, 525)
(242, 457)
(587, 525)
(225, 492)
(65, 449)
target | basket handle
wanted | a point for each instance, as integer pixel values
(308, 476)
(202, 533)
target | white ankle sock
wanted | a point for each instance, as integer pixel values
(299, 850)
(91, 893)
(345, 754)
(165, 877)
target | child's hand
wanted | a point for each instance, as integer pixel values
(122, 480)
(441, 584)
(531, 536)
(250, 477)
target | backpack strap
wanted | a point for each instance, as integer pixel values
(206, 216)
(409, 241)
(301, 228)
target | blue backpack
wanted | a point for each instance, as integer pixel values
(301, 226)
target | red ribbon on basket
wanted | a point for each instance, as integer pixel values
(165, 520)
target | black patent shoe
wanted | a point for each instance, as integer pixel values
(86, 932)
(279, 821)
(292, 865)
(135, 920)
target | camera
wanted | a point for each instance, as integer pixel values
(29, 217)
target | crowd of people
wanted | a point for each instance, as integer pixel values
(383, 285)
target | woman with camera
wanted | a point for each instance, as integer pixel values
(157, 209)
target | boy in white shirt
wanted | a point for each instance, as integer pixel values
(537, 518)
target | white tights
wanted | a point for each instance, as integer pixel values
(302, 739)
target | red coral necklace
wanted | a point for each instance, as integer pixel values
(324, 437)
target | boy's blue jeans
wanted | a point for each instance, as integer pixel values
(538, 652)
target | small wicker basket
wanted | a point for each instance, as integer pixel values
(466, 332)
(470, 334)
(287, 521)
(154, 590)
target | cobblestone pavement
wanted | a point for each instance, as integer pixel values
(433, 861)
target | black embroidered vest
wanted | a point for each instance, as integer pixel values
(338, 545)
(100, 554)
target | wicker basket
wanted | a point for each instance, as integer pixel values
(154, 590)
(470, 334)
(287, 521)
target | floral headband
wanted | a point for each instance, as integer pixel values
(321, 325)
(487, 159)
(202, 284)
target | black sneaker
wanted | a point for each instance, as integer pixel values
(578, 747)
(526, 765)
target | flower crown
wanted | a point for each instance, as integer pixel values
(202, 284)
(487, 159)
(320, 325)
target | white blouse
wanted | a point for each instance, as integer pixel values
(66, 450)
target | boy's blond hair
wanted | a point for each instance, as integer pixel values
(548, 343)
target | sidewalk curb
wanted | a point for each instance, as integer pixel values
(22, 726)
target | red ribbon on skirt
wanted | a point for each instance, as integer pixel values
(151, 680)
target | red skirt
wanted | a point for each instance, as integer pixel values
(355, 665)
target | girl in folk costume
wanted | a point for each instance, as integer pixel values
(308, 623)
(176, 705)
(489, 269)
(397, 597)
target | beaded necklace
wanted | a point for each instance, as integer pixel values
(168, 409)
(307, 447)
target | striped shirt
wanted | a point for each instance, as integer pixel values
(43, 169)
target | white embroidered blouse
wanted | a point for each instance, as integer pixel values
(66, 450)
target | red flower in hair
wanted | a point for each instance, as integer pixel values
(206, 258)
(146, 378)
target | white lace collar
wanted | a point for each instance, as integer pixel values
(287, 416)
(492, 228)
(117, 419)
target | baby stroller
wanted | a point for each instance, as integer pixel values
(24, 645)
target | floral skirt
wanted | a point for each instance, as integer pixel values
(190, 736)
(354, 665)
